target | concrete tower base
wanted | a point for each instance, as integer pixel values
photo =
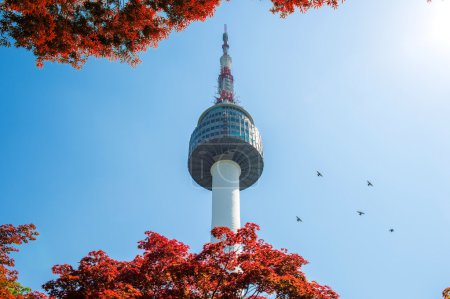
(225, 195)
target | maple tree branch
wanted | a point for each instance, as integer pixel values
(221, 278)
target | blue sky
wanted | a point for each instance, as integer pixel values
(96, 157)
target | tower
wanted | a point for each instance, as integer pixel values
(225, 149)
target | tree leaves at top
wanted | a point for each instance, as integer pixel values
(70, 31)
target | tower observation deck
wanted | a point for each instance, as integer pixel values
(225, 149)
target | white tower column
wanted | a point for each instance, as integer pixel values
(225, 195)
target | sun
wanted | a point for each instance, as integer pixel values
(440, 23)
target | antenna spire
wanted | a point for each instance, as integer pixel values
(226, 92)
(225, 45)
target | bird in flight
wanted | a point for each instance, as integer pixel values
(298, 219)
(391, 230)
(319, 174)
(360, 213)
(369, 184)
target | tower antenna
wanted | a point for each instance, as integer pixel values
(225, 80)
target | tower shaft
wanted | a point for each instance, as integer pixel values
(225, 195)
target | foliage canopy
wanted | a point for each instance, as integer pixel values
(239, 266)
(70, 31)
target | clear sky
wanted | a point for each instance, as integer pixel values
(96, 157)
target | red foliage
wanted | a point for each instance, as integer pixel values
(240, 266)
(10, 236)
(69, 31)
(446, 293)
(286, 7)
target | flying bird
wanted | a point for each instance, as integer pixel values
(298, 219)
(319, 174)
(369, 184)
(391, 230)
(360, 213)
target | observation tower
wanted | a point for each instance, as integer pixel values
(225, 150)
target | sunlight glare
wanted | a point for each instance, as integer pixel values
(440, 23)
